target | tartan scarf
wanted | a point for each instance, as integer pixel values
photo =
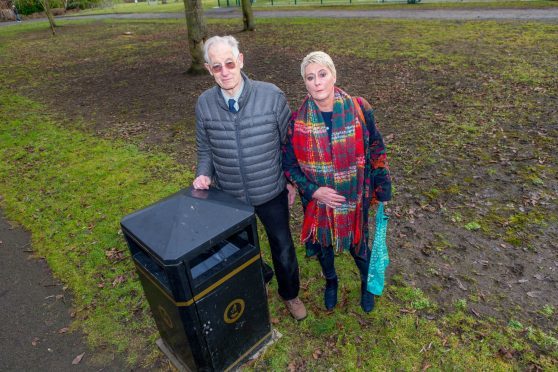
(339, 165)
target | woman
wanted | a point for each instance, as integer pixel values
(336, 158)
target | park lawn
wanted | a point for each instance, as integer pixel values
(398, 4)
(143, 7)
(178, 6)
(70, 187)
(70, 190)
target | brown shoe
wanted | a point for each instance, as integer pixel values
(296, 308)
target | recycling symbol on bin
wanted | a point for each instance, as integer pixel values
(234, 310)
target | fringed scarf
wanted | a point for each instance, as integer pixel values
(340, 165)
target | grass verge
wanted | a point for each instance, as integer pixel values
(70, 190)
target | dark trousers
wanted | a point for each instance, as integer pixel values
(326, 257)
(274, 215)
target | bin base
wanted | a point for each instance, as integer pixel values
(275, 335)
(181, 367)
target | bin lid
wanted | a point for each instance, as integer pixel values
(186, 222)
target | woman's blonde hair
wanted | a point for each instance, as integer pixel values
(318, 57)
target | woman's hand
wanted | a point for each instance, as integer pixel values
(292, 194)
(329, 197)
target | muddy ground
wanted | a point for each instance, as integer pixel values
(151, 103)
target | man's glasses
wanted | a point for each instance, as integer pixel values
(230, 65)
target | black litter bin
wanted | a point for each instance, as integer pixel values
(198, 258)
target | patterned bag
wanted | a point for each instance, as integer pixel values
(379, 259)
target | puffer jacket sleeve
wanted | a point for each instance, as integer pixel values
(380, 177)
(283, 115)
(205, 161)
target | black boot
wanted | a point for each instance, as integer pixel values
(330, 293)
(366, 298)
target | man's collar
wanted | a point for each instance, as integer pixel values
(237, 95)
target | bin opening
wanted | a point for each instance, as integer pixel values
(152, 268)
(217, 254)
(213, 261)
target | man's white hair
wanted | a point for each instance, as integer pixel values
(319, 57)
(216, 40)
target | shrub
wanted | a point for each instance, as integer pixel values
(27, 7)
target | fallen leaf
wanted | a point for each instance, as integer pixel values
(274, 320)
(426, 348)
(78, 358)
(508, 354)
(533, 294)
(461, 286)
(539, 276)
(119, 279)
(407, 311)
(63, 330)
(114, 254)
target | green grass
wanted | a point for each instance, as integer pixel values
(143, 7)
(178, 6)
(485, 47)
(397, 4)
(70, 189)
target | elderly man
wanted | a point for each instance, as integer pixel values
(240, 126)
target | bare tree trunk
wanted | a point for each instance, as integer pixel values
(46, 5)
(197, 34)
(248, 16)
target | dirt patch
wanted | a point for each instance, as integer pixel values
(473, 218)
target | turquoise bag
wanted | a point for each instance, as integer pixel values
(379, 260)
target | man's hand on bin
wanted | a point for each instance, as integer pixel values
(201, 182)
